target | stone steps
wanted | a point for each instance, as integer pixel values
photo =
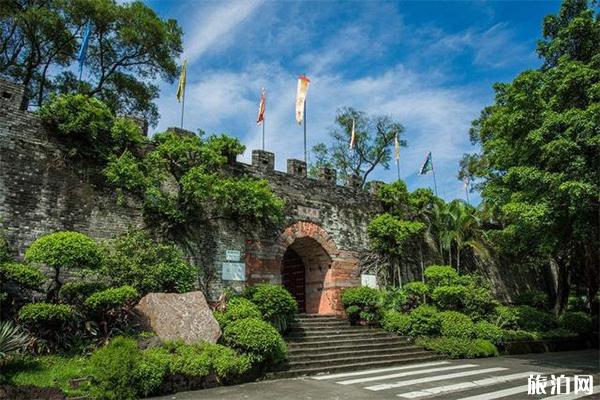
(325, 344)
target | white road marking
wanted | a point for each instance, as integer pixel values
(466, 385)
(402, 374)
(498, 394)
(386, 386)
(572, 396)
(379, 370)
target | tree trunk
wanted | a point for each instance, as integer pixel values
(458, 259)
(563, 286)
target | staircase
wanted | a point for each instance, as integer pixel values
(325, 344)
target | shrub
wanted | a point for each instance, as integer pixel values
(396, 322)
(44, 314)
(558, 333)
(578, 303)
(153, 367)
(135, 259)
(76, 292)
(111, 298)
(126, 133)
(23, 275)
(275, 303)
(506, 317)
(424, 321)
(353, 312)
(488, 331)
(455, 324)
(531, 319)
(578, 322)
(392, 299)
(117, 369)
(509, 335)
(533, 298)
(361, 296)
(4, 248)
(449, 297)
(441, 275)
(237, 308)
(256, 338)
(460, 347)
(416, 294)
(478, 301)
(12, 340)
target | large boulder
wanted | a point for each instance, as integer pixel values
(184, 316)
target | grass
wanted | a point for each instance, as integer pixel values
(48, 371)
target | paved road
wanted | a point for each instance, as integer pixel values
(481, 379)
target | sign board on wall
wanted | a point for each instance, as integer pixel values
(234, 271)
(308, 212)
(233, 255)
(368, 280)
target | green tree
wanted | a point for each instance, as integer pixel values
(539, 145)
(374, 138)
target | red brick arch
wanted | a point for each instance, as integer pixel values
(304, 229)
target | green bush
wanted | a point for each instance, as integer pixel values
(394, 321)
(361, 296)
(479, 301)
(126, 133)
(418, 289)
(12, 340)
(4, 248)
(506, 317)
(135, 259)
(455, 324)
(71, 250)
(275, 303)
(509, 335)
(256, 338)
(488, 331)
(78, 116)
(441, 275)
(151, 371)
(424, 321)
(449, 297)
(578, 322)
(392, 299)
(460, 347)
(23, 275)
(578, 303)
(531, 319)
(45, 314)
(237, 308)
(353, 312)
(558, 333)
(76, 292)
(112, 298)
(533, 298)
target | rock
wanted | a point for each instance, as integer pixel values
(184, 316)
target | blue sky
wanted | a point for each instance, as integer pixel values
(431, 65)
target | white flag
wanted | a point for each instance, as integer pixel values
(353, 135)
(303, 82)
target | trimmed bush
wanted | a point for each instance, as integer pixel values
(531, 319)
(424, 321)
(479, 301)
(71, 250)
(76, 292)
(393, 299)
(353, 312)
(533, 298)
(416, 293)
(558, 333)
(488, 331)
(45, 314)
(510, 335)
(455, 324)
(111, 298)
(237, 308)
(361, 296)
(578, 322)
(460, 347)
(506, 317)
(256, 338)
(23, 275)
(275, 303)
(449, 297)
(441, 275)
(396, 322)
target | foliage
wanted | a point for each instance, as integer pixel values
(459, 347)
(531, 319)
(533, 298)
(12, 340)
(125, 173)
(388, 234)
(24, 275)
(578, 322)
(506, 317)
(488, 331)
(449, 297)
(539, 169)
(438, 275)
(361, 296)
(518, 335)
(392, 299)
(111, 299)
(70, 250)
(76, 292)
(4, 248)
(237, 308)
(455, 324)
(256, 338)
(425, 321)
(275, 303)
(558, 333)
(135, 259)
(374, 137)
(396, 322)
(126, 133)
(45, 314)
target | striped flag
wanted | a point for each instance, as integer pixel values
(181, 85)
(261, 107)
(81, 55)
(396, 149)
(353, 134)
(427, 165)
(303, 82)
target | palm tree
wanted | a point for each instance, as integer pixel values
(463, 230)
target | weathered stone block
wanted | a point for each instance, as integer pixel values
(296, 167)
(328, 175)
(263, 160)
(173, 316)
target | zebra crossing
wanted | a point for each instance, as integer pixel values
(446, 379)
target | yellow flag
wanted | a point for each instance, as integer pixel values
(353, 135)
(181, 86)
(303, 82)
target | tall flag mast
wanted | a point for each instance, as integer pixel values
(397, 153)
(467, 182)
(260, 119)
(428, 166)
(181, 89)
(303, 82)
(81, 55)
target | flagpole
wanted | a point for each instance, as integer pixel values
(398, 165)
(305, 158)
(467, 193)
(182, 106)
(263, 132)
(434, 181)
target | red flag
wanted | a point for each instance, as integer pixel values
(261, 107)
